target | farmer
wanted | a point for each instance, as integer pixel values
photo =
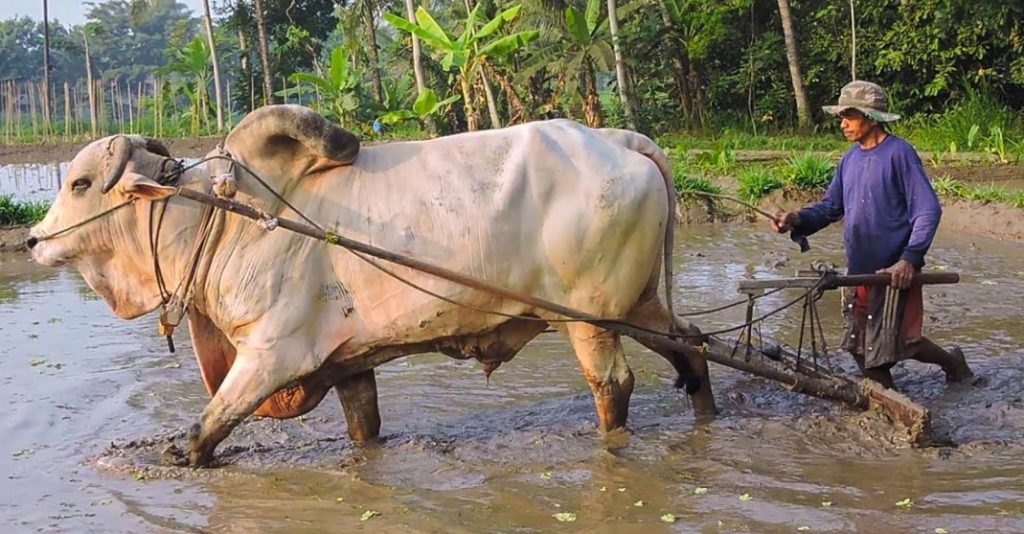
(891, 213)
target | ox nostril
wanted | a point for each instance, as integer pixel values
(32, 242)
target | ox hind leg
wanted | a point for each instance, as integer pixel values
(604, 367)
(692, 371)
(358, 395)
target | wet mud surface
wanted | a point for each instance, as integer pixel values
(94, 402)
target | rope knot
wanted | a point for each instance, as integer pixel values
(224, 185)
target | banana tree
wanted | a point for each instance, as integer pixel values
(467, 53)
(193, 62)
(339, 89)
(426, 105)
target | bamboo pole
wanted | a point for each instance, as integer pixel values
(131, 112)
(76, 98)
(141, 109)
(44, 92)
(67, 111)
(90, 88)
(7, 111)
(30, 90)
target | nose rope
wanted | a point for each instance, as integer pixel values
(80, 224)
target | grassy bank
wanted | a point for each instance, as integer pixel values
(15, 213)
(718, 172)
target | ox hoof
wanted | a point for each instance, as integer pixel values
(199, 455)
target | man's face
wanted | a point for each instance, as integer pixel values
(855, 125)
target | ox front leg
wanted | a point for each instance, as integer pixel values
(253, 378)
(358, 394)
(604, 366)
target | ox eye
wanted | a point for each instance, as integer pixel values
(81, 185)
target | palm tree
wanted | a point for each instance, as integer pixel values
(268, 75)
(792, 56)
(417, 59)
(366, 7)
(620, 66)
(216, 65)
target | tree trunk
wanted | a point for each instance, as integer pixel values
(417, 65)
(853, 42)
(216, 65)
(591, 101)
(492, 105)
(467, 104)
(371, 39)
(620, 67)
(268, 76)
(802, 108)
(91, 88)
(679, 66)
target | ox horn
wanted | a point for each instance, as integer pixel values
(304, 125)
(118, 151)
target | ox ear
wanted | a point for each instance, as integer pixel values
(144, 187)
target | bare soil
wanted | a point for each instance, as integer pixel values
(12, 238)
(57, 152)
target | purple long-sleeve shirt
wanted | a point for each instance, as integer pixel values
(891, 211)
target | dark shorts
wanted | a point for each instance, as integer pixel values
(881, 322)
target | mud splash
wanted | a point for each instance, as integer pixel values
(94, 402)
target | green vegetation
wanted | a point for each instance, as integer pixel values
(696, 74)
(15, 213)
(809, 172)
(756, 182)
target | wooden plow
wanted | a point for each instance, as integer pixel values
(775, 363)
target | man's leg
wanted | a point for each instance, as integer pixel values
(923, 349)
(882, 374)
(952, 361)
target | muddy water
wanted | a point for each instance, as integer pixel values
(464, 455)
(34, 181)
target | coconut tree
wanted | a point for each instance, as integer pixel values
(268, 75)
(620, 66)
(793, 57)
(216, 64)
(583, 47)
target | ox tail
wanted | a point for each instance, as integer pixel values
(638, 142)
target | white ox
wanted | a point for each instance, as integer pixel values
(573, 215)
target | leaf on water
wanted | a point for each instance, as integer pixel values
(622, 490)
(171, 365)
(36, 361)
(803, 528)
(905, 503)
(940, 530)
(139, 476)
(340, 499)
(54, 320)
(639, 504)
(369, 514)
(565, 517)
(105, 502)
(546, 475)
(603, 488)
(33, 336)
(700, 491)
(668, 518)
(54, 365)
(826, 504)
(745, 497)
(22, 452)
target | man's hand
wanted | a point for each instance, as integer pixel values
(902, 274)
(784, 222)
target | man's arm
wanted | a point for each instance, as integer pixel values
(811, 219)
(922, 207)
(924, 212)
